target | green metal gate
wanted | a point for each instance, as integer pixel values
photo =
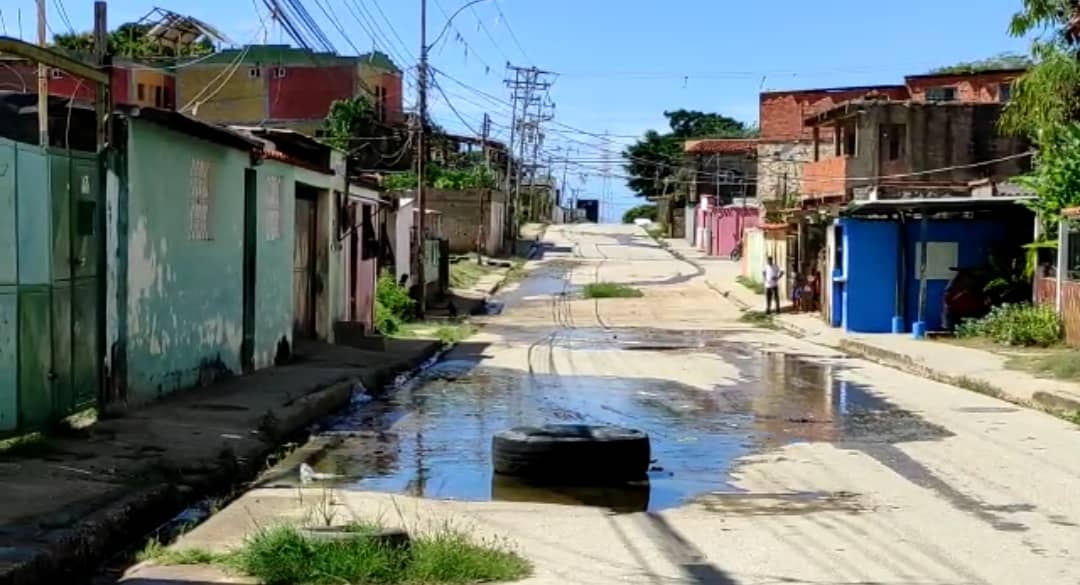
(50, 359)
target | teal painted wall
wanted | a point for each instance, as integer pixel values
(185, 307)
(274, 262)
(9, 398)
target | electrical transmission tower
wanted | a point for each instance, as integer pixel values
(532, 107)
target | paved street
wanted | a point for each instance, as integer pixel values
(778, 460)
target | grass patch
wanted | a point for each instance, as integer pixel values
(758, 319)
(155, 552)
(466, 273)
(751, 284)
(449, 333)
(284, 556)
(1060, 365)
(610, 290)
(28, 445)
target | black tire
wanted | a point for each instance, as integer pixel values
(572, 454)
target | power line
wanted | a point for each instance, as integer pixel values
(62, 11)
(483, 27)
(506, 23)
(393, 30)
(461, 38)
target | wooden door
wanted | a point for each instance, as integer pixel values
(304, 269)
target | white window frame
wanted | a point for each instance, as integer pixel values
(255, 72)
(200, 204)
(273, 200)
(279, 72)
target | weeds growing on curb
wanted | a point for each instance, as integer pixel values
(28, 445)
(751, 284)
(758, 319)
(976, 385)
(285, 556)
(611, 290)
(1061, 365)
(155, 552)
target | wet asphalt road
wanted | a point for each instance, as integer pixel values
(776, 461)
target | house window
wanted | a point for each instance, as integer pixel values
(255, 72)
(1005, 92)
(159, 99)
(279, 72)
(140, 91)
(850, 142)
(893, 140)
(380, 102)
(56, 74)
(272, 197)
(200, 202)
(941, 94)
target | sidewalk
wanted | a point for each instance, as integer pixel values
(970, 368)
(69, 501)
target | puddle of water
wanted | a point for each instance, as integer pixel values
(432, 436)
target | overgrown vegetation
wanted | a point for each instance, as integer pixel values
(466, 272)
(610, 290)
(347, 118)
(1061, 365)
(758, 319)
(647, 211)
(393, 305)
(449, 333)
(28, 445)
(1022, 325)
(655, 161)
(129, 40)
(1000, 61)
(155, 552)
(751, 284)
(286, 556)
(1045, 106)
(473, 176)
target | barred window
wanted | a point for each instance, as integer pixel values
(200, 201)
(272, 196)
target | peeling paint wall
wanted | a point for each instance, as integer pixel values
(185, 294)
(274, 261)
(9, 371)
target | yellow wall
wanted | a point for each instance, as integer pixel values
(235, 98)
(149, 79)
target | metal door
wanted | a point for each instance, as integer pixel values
(304, 270)
(247, 346)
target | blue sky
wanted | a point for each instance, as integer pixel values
(622, 63)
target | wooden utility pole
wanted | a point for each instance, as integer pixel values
(42, 79)
(485, 129)
(421, 160)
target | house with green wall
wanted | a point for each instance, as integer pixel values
(192, 251)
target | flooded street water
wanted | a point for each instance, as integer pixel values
(431, 436)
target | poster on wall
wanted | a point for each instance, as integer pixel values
(941, 258)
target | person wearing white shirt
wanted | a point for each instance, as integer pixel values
(772, 275)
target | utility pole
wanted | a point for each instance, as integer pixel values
(485, 129)
(525, 86)
(421, 162)
(42, 80)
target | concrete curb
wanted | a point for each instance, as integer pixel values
(1048, 402)
(67, 554)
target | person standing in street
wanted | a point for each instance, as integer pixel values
(771, 275)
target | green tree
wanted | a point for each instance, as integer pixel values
(1045, 107)
(647, 211)
(129, 40)
(348, 118)
(654, 160)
